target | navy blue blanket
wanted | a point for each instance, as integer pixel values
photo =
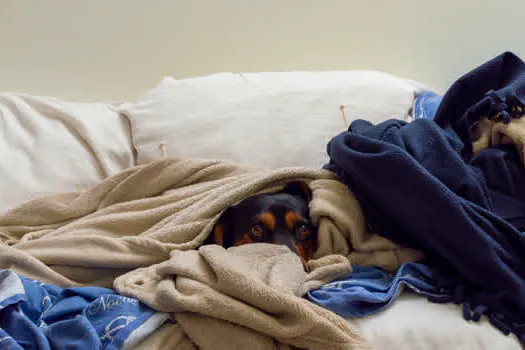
(419, 184)
(495, 89)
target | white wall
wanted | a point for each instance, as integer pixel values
(116, 49)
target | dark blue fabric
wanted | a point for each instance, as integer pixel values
(495, 89)
(36, 315)
(420, 185)
(426, 105)
(369, 290)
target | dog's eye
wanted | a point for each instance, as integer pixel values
(303, 230)
(257, 231)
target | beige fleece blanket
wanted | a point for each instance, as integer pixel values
(139, 217)
(243, 297)
(136, 218)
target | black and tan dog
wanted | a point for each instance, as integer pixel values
(277, 218)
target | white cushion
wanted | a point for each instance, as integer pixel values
(264, 119)
(414, 323)
(48, 146)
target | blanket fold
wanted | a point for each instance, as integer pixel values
(437, 186)
(158, 212)
(250, 288)
(136, 218)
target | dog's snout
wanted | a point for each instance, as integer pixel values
(285, 238)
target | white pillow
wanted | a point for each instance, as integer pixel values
(48, 146)
(414, 323)
(263, 119)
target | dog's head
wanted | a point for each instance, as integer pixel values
(278, 218)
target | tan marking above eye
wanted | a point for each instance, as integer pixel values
(291, 218)
(268, 219)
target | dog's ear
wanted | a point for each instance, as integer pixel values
(221, 233)
(299, 188)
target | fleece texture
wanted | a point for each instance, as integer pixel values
(161, 212)
(244, 297)
(460, 200)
